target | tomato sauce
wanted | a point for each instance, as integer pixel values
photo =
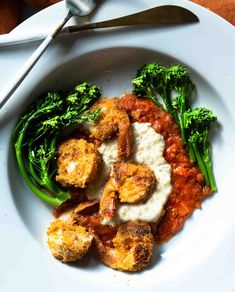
(188, 186)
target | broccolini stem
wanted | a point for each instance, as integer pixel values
(53, 188)
(191, 152)
(208, 164)
(151, 94)
(53, 144)
(182, 130)
(182, 110)
(167, 100)
(200, 163)
(35, 177)
(54, 141)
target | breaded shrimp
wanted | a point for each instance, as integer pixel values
(113, 120)
(130, 183)
(78, 163)
(86, 207)
(73, 214)
(132, 247)
(68, 242)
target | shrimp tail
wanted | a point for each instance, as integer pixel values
(124, 142)
(108, 204)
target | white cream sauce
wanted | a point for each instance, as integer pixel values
(148, 149)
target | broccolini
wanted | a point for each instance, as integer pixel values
(36, 134)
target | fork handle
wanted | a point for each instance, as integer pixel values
(14, 83)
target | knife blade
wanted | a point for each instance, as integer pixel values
(157, 16)
(161, 15)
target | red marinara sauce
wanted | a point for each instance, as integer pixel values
(188, 186)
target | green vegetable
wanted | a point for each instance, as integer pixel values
(171, 89)
(36, 134)
(198, 123)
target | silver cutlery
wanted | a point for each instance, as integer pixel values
(162, 15)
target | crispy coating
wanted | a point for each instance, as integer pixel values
(130, 183)
(135, 181)
(132, 247)
(68, 242)
(113, 120)
(78, 163)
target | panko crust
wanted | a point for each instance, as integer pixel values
(132, 247)
(78, 163)
(68, 242)
(129, 183)
(136, 182)
(113, 120)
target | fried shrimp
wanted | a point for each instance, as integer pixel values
(78, 163)
(130, 183)
(132, 247)
(113, 120)
(68, 242)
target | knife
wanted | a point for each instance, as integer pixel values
(157, 16)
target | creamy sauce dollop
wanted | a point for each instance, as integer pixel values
(148, 149)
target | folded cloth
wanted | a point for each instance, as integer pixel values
(224, 8)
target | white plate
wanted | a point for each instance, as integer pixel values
(201, 257)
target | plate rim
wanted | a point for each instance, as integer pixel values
(225, 22)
